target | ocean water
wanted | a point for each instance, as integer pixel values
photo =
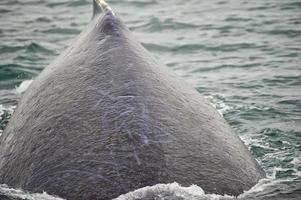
(244, 56)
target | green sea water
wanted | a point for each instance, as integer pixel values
(243, 55)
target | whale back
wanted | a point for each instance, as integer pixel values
(105, 118)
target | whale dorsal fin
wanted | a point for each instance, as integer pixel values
(100, 6)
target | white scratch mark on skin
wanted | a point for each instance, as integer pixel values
(136, 157)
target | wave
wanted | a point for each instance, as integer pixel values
(189, 48)
(157, 25)
(31, 47)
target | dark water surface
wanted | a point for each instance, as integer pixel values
(242, 55)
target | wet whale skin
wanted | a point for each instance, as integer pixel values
(105, 118)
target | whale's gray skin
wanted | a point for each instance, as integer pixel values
(105, 118)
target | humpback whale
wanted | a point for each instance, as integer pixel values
(105, 118)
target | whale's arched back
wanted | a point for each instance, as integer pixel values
(105, 118)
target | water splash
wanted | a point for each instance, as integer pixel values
(23, 86)
(172, 191)
(5, 113)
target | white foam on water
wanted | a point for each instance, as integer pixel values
(218, 104)
(297, 163)
(4, 109)
(174, 191)
(9, 109)
(23, 86)
(261, 186)
(15, 193)
(170, 192)
(266, 187)
(297, 160)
